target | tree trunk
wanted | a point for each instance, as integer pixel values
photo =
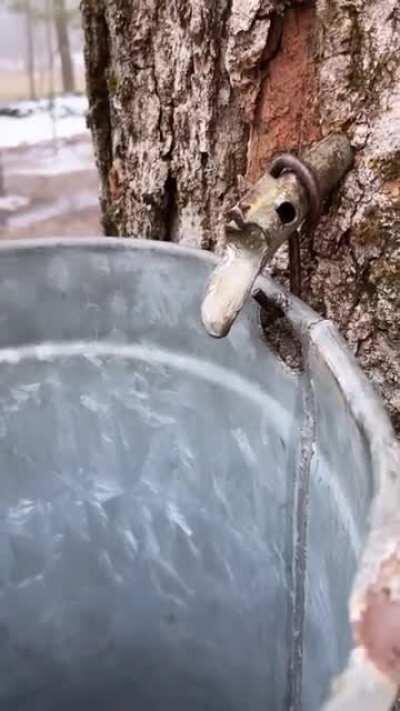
(64, 47)
(50, 51)
(186, 95)
(3, 213)
(30, 50)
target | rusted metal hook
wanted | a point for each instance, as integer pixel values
(289, 163)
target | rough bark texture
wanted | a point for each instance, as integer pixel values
(185, 96)
(170, 84)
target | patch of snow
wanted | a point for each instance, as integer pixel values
(60, 106)
(29, 122)
(62, 206)
(51, 161)
(36, 128)
(11, 203)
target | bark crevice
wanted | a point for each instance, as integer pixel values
(97, 61)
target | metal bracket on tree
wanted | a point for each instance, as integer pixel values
(284, 200)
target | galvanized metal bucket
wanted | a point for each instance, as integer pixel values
(182, 518)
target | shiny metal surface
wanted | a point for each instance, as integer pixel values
(181, 517)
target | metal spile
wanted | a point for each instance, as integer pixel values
(287, 197)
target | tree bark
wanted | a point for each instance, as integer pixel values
(64, 47)
(187, 95)
(30, 51)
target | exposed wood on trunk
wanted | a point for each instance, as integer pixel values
(287, 116)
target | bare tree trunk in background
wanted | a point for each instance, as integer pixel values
(51, 85)
(3, 213)
(185, 95)
(50, 50)
(30, 50)
(2, 182)
(64, 47)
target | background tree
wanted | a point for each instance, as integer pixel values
(30, 47)
(185, 95)
(62, 17)
(26, 8)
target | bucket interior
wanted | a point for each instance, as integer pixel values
(180, 517)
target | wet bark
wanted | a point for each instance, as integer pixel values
(185, 96)
(64, 47)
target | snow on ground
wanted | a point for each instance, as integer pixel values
(12, 203)
(54, 159)
(66, 105)
(62, 206)
(29, 122)
(39, 127)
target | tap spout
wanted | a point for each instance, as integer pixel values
(267, 215)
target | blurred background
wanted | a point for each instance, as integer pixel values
(48, 182)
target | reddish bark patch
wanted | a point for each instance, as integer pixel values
(287, 116)
(392, 189)
(378, 630)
